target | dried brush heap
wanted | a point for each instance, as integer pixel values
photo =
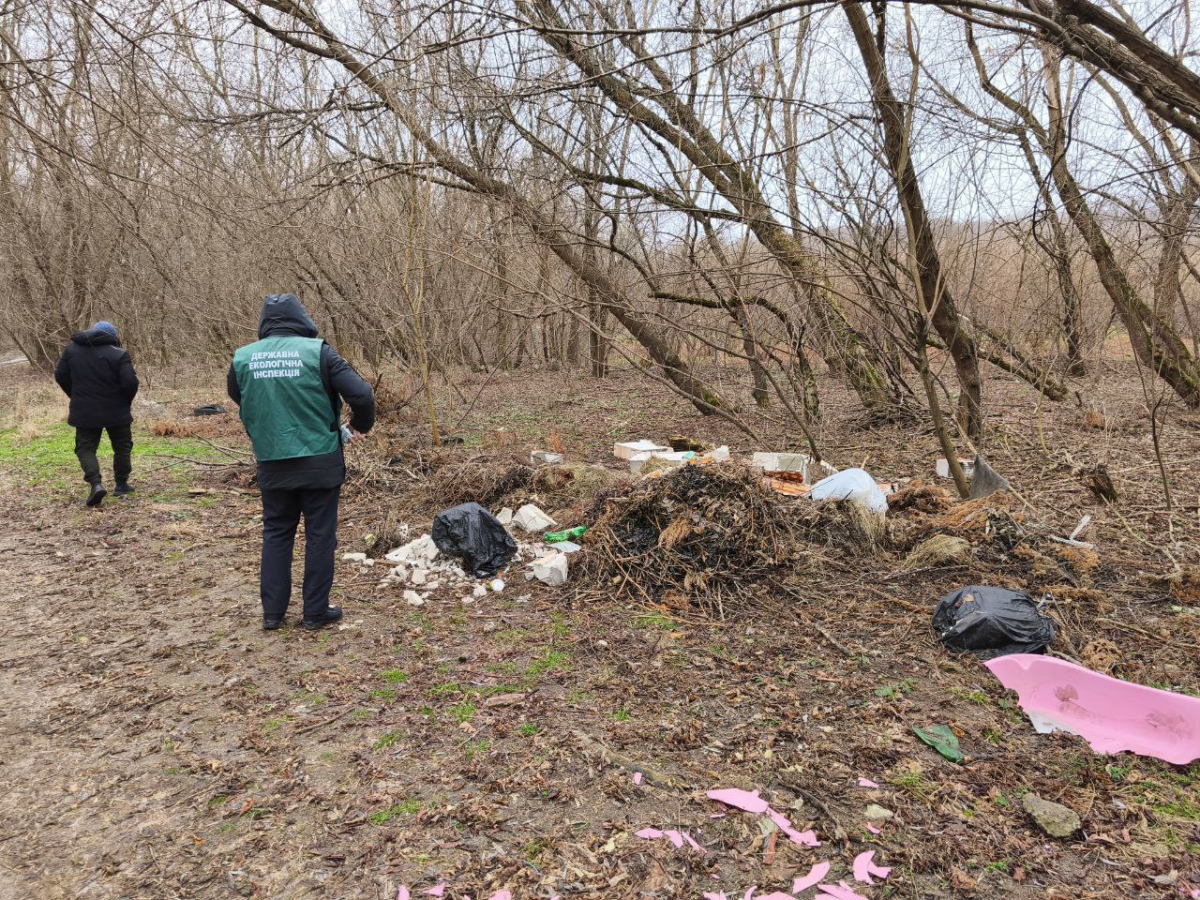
(715, 535)
(484, 479)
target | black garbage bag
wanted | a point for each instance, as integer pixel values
(470, 531)
(991, 622)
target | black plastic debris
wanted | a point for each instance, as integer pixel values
(471, 532)
(211, 409)
(991, 622)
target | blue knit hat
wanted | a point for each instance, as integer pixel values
(106, 326)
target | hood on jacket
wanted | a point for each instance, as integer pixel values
(283, 315)
(96, 337)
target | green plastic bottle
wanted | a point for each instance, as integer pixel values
(555, 537)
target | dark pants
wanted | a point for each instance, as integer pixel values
(281, 514)
(87, 441)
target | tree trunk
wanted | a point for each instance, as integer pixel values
(936, 297)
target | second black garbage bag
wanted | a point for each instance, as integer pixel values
(991, 622)
(471, 532)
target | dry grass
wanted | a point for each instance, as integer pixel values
(938, 550)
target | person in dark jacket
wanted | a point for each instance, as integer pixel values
(289, 386)
(98, 376)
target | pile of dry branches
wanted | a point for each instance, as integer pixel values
(710, 536)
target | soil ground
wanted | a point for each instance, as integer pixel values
(155, 743)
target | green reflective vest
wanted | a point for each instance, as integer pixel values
(285, 408)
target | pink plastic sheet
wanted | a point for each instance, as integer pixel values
(746, 800)
(867, 783)
(840, 891)
(865, 868)
(1110, 714)
(815, 874)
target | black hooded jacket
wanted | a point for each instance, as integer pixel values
(284, 316)
(98, 376)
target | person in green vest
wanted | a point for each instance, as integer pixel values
(289, 385)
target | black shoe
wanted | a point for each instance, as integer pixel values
(124, 488)
(272, 624)
(332, 614)
(96, 494)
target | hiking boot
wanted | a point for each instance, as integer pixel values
(96, 494)
(332, 614)
(124, 488)
(270, 623)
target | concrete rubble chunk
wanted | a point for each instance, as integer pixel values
(1053, 818)
(545, 458)
(530, 518)
(630, 449)
(419, 576)
(875, 813)
(354, 557)
(551, 569)
(412, 598)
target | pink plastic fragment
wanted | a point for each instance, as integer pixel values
(501, 895)
(871, 828)
(840, 891)
(1110, 714)
(650, 834)
(815, 874)
(776, 895)
(746, 800)
(637, 777)
(692, 841)
(436, 891)
(675, 838)
(750, 893)
(867, 783)
(403, 893)
(716, 815)
(864, 868)
(711, 895)
(804, 839)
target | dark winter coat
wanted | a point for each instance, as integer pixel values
(283, 315)
(98, 376)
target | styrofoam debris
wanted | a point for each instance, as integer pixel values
(505, 516)
(497, 585)
(567, 547)
(551, 569)
(412, 598)
(480, 591)
(664, 459)
(942, 467)
(419, 576)
(545, 458)
(354, 557)
(530, 518)
(629, 449)
(423, 549)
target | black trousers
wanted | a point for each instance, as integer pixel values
(87, 442)
(282, 510)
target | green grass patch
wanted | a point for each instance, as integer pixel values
(387, 695)
(46, 455)
(528, 729)
(407, 808)
(654, 620)
(388, 740)
(550, 661)
(462, 712)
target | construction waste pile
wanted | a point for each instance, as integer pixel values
(692, 527)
